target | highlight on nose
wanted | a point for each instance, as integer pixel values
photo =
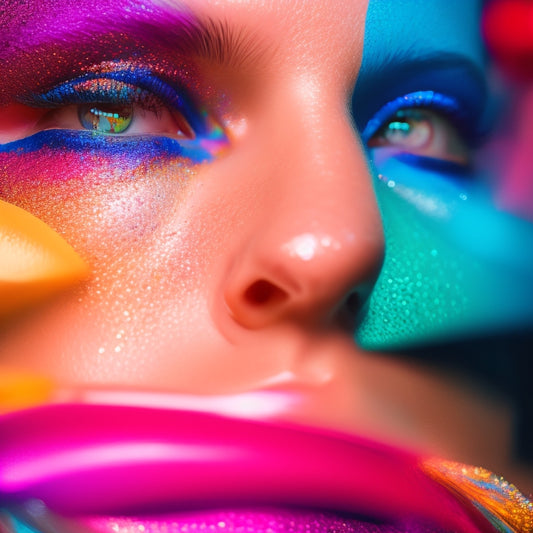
(314, 279)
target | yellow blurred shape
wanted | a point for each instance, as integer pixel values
(35, 262)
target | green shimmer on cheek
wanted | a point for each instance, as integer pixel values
(445, 278)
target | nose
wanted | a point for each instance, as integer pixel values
(314, 244)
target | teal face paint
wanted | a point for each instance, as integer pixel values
(454, 265)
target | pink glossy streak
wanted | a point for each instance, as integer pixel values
(111, 459)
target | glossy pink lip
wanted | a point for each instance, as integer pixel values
(83, 459)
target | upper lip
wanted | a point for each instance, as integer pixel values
(106, 458)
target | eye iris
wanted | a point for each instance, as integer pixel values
(408, 128)
(104, 118)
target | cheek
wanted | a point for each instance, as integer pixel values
(107, 202)
(131, 219)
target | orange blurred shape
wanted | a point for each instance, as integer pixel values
(19, 390)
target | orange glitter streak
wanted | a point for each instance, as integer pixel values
(501, 502)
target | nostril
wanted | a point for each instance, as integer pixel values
(353, 303)
(263, 292)
(349, 312)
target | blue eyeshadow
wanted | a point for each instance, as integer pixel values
(135, 148)
(408, 49)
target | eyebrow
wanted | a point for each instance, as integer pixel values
(45, 41)
(150, 24)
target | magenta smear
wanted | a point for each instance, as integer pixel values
(109, 460)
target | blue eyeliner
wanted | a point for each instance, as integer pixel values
(133, 148)
(426, 99)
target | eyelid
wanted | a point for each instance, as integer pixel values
(128, 81)
(427, 99)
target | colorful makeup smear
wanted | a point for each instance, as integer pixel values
(56, 54)
(501, 502)
(454, 266)
(105, 464)
(44, 41)
(64, 148)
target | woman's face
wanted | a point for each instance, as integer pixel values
(202, 157)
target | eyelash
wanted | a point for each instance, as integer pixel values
(432, 100)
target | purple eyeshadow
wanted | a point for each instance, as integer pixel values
(44, 42)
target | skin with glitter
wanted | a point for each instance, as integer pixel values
(235, 213)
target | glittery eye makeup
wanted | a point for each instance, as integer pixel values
(108, 113)
(108, 101)
(421, 146)
(124, 70)
(420, 99)
(125, 99)
(427, 124)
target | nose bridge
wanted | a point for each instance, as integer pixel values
(323, 169)
(320, 234)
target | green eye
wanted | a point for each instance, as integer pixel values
(409, 128)
(424, 132)
(106, 118)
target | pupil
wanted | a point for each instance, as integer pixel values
(409, 128)
(104, 118)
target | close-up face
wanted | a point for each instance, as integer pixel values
(258, 204)
(205, 225)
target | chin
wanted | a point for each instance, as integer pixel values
(117, 462)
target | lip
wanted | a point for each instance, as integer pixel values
(106, 459)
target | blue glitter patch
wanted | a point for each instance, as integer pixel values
(134, 146)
